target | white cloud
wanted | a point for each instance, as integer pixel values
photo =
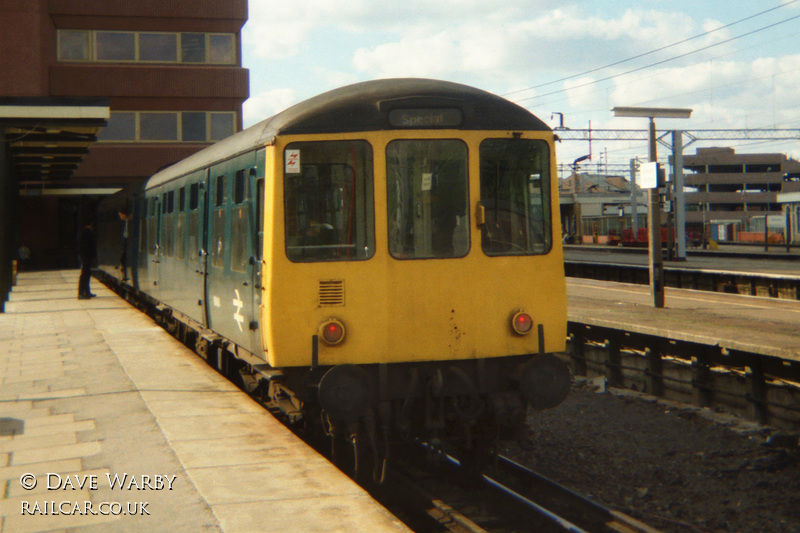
(552, 48)
(267, 103)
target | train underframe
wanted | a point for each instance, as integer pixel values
(458, 406)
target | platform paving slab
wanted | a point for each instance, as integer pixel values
(92, 389)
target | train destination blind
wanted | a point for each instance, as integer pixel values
(425, 118)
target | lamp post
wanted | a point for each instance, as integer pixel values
(656, 260)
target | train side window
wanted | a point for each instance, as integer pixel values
(220, 190)
(218, 238)
(152, 226)
(194, 196)
(328, 198)
(141, 209)
(259, 218)
(194, 220)
(515, 194)
(181, 198)
(239, 187)
(427, 197)
(240, 234)
(167, 224)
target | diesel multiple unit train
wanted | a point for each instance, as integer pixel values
(382, 258)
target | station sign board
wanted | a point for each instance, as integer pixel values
(648, 175)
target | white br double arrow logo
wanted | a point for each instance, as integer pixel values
(238, 304)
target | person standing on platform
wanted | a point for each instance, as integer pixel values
(87, 253)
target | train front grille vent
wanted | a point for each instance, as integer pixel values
(331, 293)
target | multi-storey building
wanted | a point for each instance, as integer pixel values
(167, 75)
(731, 188)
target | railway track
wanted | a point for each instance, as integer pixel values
(745, 283)
(507, 497)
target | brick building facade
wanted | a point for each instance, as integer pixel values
(170, 73)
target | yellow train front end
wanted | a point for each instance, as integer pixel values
(412, 270)
(424, 301)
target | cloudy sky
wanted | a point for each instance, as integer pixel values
(736, 63)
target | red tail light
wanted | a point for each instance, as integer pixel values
(331, 331)
(522, 323)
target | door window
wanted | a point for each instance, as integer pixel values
(427, 198)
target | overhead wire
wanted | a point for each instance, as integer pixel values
(661, 62)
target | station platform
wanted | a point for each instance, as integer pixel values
(765, 326)
(109, 423)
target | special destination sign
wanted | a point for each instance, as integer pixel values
(425, 118)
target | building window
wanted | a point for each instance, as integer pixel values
(168, 126)
(221, 125)
(115, 46)
(193, 48)
(158, 126)
(158, 47)
(73, 45)
(121, 127)
(193, 125)
(147, 47)
(221, 49)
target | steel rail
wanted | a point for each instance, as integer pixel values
(584, 515)
(611, 519)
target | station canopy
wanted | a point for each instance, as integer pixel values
(46, 138)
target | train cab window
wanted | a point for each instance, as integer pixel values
(427, 198)
(329, 201)
(515, 194)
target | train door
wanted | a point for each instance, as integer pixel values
(427, 198)
(245, 254)
(258, 182)
(152, 255)
(195, 210)
(216, 222)
(135, 249)
(234, 267)
(168, 282)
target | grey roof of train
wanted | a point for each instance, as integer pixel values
(363, 107)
